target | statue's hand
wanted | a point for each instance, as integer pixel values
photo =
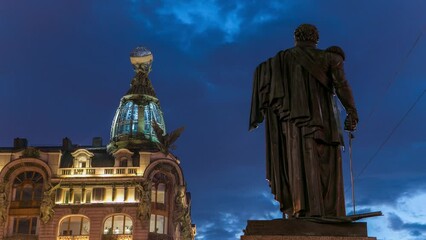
(351, 121)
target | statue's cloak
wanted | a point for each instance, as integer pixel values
(303, 161)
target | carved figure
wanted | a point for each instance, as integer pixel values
(182, 217)
(144, 206)
(47, 203)
(166, 141)
(4, 203)
(294, 92)
(180, 205)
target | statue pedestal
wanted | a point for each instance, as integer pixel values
(295, 229)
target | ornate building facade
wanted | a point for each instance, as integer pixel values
(133, 188)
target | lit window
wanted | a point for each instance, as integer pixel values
(126, 120)
(62, 196)
(74, 226)
(82, 161)
(158, 224)
(77, 196)
(98, 194)
(118, 225)
(59, 195)
(88, 196)
(119, 194)
(159, 190)
(152, 113)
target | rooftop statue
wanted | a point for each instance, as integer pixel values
(294, 92)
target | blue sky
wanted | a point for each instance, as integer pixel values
(64, 67)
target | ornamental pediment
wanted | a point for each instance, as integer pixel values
(82, 158)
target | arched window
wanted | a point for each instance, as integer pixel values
(74, 226)
(27, 187)
(118, 225)
(160, 204)
(159, 191)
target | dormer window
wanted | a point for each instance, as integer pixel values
(123, 158)
(82, 158)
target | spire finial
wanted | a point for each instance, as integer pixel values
(141, 59)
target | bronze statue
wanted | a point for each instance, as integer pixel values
(294, 92)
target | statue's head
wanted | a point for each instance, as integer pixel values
(306, 33)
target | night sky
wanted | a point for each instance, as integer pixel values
(64, 65)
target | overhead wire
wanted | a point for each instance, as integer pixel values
(401, 120)
(378, 102)
(392, 80)
(392, 132)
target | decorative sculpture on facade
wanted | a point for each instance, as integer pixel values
(166, 141)
(31, 152)
(4, 203)
(144, 207)
(182, 217)
(47, 203)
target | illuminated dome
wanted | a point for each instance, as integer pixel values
(139, 109)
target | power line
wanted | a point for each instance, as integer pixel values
(379, 100)
(392, 80)
(390, 135)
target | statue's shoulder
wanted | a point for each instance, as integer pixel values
(336, 50)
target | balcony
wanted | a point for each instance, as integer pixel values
(93, 172)
(73, 237)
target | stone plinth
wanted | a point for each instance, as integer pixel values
(283, 229)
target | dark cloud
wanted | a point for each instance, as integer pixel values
(415, 229)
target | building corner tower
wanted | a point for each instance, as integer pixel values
(133, 188)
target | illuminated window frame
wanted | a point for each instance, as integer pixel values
(158, 223)
(159, 191)
(98, 194)
(83, 228)
(112, 226)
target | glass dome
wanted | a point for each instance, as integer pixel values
(135, 121)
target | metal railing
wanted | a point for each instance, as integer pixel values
(81, 237)
(84, 172)
(117, 237)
